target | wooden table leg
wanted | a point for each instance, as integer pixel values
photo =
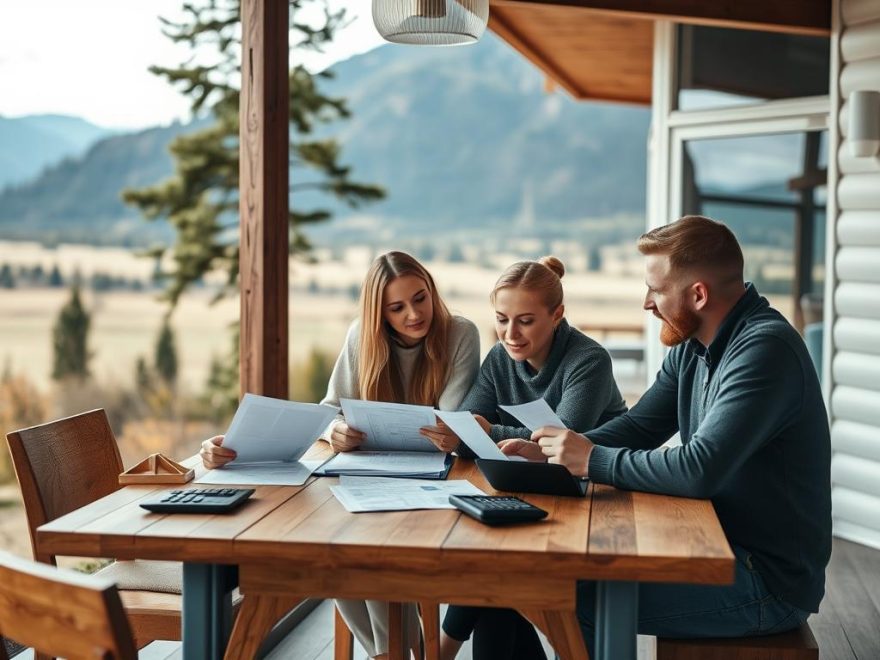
(257, 616)
(562, 630)
(397, 642)
(431, 628)
(343, 639)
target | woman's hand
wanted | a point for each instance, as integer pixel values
(345, 438)
(442, 436)
(214, 454)
(484, 423)
(531, 451)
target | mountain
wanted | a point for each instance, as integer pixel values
(459, 135)
(461, 138)
(29, 144)
(78, 200)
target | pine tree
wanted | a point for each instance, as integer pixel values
(7, 279)
(166, 355)
(201, 200)
(70, 339)
(56, 281)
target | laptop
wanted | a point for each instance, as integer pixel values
(528, 477)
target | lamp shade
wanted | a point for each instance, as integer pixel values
(431, 22)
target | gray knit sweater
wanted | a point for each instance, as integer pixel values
(464, 358)
(576, 381)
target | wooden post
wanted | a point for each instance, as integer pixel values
(263, 190)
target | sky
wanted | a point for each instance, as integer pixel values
(90, 58)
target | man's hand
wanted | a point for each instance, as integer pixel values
(529, 450)
(567, 448)
(442, 436)
(345, 438)
(214, 454)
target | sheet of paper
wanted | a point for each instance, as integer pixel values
(390, 426)
(359, 494)
(265, 429)
(403, 462)
(472, 434)
(535, 414)
(295, 473)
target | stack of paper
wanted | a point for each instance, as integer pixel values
(270, 437)
(359, 494)
(427, 465)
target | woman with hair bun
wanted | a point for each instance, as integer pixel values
(538, 355)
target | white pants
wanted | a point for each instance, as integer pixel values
(368, 620)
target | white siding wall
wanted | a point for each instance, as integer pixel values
(855, 367)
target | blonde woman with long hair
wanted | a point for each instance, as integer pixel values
(404, 347)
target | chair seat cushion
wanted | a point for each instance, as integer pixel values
(142, 575)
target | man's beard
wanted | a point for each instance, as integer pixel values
(680, 327)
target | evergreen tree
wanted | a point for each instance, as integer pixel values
(7, 279)
(143, 379)
(201, 200)
(70, 339)
(166, 354)
(55, 279)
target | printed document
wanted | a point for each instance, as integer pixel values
(359, 494)
(535, 414)
(381, 463)
(390, 426)
(286, 473)
(269, 437)
(472, 434)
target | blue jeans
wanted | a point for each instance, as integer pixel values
(742, 609)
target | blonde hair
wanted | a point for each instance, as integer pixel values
(379, 377)
(543, 275)
(696, 242)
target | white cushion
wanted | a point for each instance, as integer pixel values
(142, 575)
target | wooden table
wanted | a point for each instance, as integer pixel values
(289, 543)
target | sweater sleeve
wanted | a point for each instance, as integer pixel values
(344, 377)
(482, 399)
(761, 394)
(651, 421)
(465, 365)
(586, 391)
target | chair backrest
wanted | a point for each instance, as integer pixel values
(62, 613)
(63, 465)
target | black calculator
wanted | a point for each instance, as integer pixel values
(497, 509)
(198, 500)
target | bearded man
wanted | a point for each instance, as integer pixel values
(740, 389)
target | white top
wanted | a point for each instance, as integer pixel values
(464, 355)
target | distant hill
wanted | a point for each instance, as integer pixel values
(31, 143)
(79, 199)
(460, 138)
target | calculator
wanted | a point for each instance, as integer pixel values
(198, 500)
(497, 509)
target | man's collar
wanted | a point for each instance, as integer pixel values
(746, 303)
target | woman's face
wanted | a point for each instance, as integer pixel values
(408, 308)
(524, 325)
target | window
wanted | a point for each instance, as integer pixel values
(770, 190)
(720, 67)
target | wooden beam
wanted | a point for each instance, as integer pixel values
(502, 27)
(263, 192)
(793, 16)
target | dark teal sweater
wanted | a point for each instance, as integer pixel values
(576, 381)
(755, 441)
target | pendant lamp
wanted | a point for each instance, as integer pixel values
(431, 22)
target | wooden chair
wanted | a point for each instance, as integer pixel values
(798, 644)
(62, 613)
(66, 464)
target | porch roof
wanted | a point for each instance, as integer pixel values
(603, 49)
